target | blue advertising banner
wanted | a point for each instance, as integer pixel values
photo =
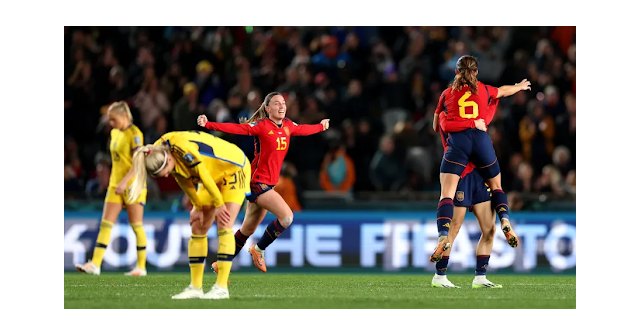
(388, 241)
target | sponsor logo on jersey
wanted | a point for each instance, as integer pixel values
(270, 132)
(137, 140)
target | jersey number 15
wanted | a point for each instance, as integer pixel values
(282, 143)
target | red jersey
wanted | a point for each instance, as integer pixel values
(464, 106)
(271, 144)
(447, 126)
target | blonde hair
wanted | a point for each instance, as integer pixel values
(147, 159)
(122, 108)
(261, 113)
(466, 73)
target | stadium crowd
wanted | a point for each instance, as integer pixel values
(378, 85)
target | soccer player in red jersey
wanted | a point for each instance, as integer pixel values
(466, 101)
(472, 193)
(272, 132)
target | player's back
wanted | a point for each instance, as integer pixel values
(195, 147)
(463, 104)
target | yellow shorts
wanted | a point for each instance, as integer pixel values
(234, 187)
(122, 199)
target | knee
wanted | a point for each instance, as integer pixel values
(287, 220)
(488, 233)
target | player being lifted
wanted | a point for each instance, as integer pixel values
(467, 100)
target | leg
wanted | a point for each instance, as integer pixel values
(197, 250)
(487, 221)
(440, 278)
(273, 202)
(110, 213)
(252, 218)
(449, 183)
(135, 212)
(226, 246)
(500, 204)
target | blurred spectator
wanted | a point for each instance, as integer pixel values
(550, 181)
(97, 186)
(209, 84)
(537, 130)
(287, 188)
(151, 102)
(387, 171)
(524, 178)
(562, 159)
(337, 172)
(187, 109)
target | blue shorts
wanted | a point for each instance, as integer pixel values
(471, 145)
(257, 189)
(471, 190)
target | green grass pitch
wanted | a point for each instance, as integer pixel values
(314, 290)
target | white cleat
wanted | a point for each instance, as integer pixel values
(442, 281)
(89, 268)
(217, 293)
(136, 272)
(189, 293)
(483, 282)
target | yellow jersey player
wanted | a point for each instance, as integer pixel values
(125, 139)
(215, 175)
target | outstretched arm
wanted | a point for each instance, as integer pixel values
(309, 129)
(509, 90)
(231, 128)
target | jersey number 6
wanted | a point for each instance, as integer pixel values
(463, 103)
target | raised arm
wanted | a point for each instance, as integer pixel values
(231, 128)
(509, 90)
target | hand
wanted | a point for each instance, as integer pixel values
(196, 217)
(202, 120)
(120, 189)
(524, 85)
(325, 124)
(222, 214)
(480, 124)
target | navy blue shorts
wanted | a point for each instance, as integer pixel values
(257, 189)
(471, 190)
(471, 145)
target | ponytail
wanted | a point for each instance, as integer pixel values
(147, 158)
(260, 113)
(466, 73)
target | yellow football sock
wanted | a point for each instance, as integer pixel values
(226, 248)
(141, 245)
(197, 252)
(104, 237)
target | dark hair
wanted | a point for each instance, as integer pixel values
(466, 73)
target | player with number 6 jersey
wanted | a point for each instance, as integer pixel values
(272, 132)
(467, 101)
